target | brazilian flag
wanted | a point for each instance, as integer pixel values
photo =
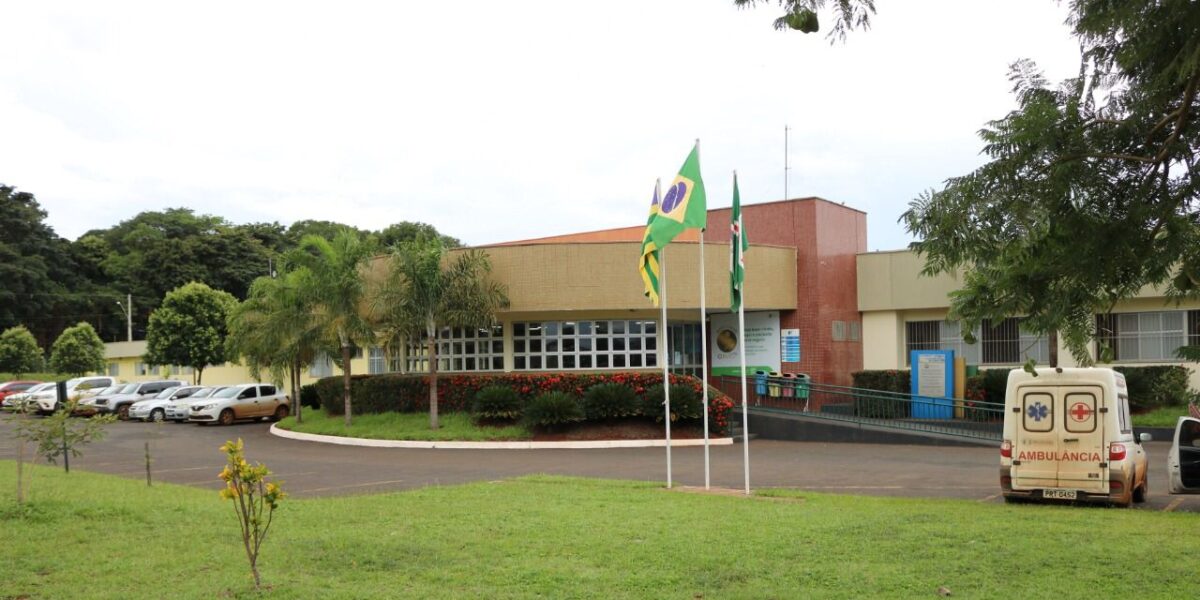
(684, 206)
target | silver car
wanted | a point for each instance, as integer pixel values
(177, 410)
(155, 409)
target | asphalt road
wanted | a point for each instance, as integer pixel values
(188, 454)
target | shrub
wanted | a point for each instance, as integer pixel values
(497, 402)
(611, 401)
(686, 404)
(995, 384)
(309, 397)
(1152, 387)
(892, 401)
(553, 409)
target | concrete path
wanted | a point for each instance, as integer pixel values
(189, 455)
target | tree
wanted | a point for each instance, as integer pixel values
(397, 233)
(803, 15)
(425, 290)
(189, 328)
(19, 352)
(273, 330)
(1091, 191)
(77, 351)
(330, 281)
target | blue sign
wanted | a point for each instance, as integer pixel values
(789, 342)
(932, 384)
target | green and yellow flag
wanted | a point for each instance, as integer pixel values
(684, 206)
(648, 265)
(738, 245)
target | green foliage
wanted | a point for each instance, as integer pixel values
(19, 351)
(60, 435)
(1089, 195)
(893, 401)
(686, 403)
(309, 398)
(403, 232)
(409, 426)
(423, 293)
(801, 15)
(497, 402)
(552, 410)
(274, 329)
(254, 500)
(189, 328)
(1152, 387)
(611, 401)
(77, 351)
(995, 384)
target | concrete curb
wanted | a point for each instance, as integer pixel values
(523, 445)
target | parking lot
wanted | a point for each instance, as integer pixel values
(188, 454)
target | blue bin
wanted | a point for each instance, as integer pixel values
(760, 383)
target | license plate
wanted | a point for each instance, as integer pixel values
(1059, 494)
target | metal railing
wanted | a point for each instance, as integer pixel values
(892, 410)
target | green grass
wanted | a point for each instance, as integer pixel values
(33, 377)
(1164, 416)
(86, 535)
(405, 426)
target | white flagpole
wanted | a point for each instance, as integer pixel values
(662, 296)
(742, 355)
(704, 359)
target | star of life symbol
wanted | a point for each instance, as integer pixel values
(1037, 411)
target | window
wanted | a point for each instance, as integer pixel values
(1037, 410)
(266, 390)
(686, 348)
(555, 345)
(376, 361)
(855, 331)
(459, 349)
(114, 369)
(322, 366)
(1080, 411)
(996, 342)
(142, 369)
(1147, 336)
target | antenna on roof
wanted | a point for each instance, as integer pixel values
(786, 168)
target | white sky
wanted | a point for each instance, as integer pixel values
(494, 120)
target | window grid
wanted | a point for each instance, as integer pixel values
(376, 360)
(997, 343)
(567, 345)
(459, 349)
(1147, 336)
(686, 348)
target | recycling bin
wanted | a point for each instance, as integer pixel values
(789, 385)
(774, 385)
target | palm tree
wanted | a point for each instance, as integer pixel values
(273, 330)
(425, 290)
(329, 280)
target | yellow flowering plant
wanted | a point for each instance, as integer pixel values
(254, 499)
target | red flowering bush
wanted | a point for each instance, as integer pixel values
(456, 392)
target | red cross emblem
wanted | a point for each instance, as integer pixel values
(1080, 412)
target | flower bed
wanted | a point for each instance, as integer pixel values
(456, 392)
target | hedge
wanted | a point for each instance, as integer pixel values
(885, 405)
(456, 392)
(1152, 387)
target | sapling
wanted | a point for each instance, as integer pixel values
(254, 500)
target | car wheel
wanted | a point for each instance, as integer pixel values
(226, 417)
(157, 415)
(123, 412)
(1142, 492)
(280, 413)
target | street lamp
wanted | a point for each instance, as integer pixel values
(127, 308)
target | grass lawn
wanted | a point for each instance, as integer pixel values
(97, 536)
(1164, 416)
(405, 426)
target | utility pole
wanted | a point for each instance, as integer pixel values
(127, 308)
(785, 161)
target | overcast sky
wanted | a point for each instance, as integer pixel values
(495, 120)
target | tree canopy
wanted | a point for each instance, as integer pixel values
(19, 352)
(189, 328)
(1090, 192)
(77, 351)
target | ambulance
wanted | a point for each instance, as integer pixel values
(1068, 437)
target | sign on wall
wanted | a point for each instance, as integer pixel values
(789, 345)
(932, 384)
(761, 340)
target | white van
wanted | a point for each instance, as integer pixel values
(1068, 436)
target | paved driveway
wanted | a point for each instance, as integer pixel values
(188, 454)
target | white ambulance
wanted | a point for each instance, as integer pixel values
(1068, 436)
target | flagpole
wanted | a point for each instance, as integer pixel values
(704, 359)
(662, 294)
(742, 356)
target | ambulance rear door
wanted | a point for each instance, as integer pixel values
(1036, 443)
(1082, 457)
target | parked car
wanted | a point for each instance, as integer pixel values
(120, 403)
(87, 406)
(178, 409)
(17, 401)
(12, 387)
(1183, 463)
(155, 409)
(46, 401)
(245, 401)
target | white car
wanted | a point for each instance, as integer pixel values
(46, 401)
(143, 390)
(16, 402)
(179, 408)
(155, 409)
(245, 401)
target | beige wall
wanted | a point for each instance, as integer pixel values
(127, 356)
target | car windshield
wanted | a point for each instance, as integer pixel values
(229, 392)
(41, 387)
(163, 395)
(128, 388)
(112, 389)
(205, 392)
